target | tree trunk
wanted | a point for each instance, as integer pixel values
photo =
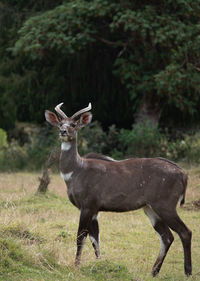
(45, 179)
(149, 111)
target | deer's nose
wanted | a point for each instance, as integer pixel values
(63, 132)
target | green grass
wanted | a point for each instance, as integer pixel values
(38, 237)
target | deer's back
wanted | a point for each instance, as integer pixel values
(127, 185)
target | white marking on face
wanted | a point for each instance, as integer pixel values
(151, 214)
(66, 176)
(65, 146)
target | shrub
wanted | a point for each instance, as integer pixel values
(41, 146)
(92, 139)
(192, 148)
(114, 145)
(142, 141)
(30, 156)
(3, 139)
(13, 158)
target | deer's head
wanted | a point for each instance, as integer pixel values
(69, 126)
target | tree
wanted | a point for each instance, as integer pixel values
(156, 46)
(52, 159)
(15, 80)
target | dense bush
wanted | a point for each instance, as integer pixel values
(3, 138)
(92, 139)
(31, 155)
(13, 157)
(191, 147)
(140, 141)
(41, 146)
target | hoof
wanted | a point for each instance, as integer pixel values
(155, 272)
(188, 272)
(77, 262)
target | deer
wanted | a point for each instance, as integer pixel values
(97, 183)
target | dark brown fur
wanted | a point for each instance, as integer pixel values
(97, 183)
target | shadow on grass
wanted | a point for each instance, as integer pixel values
(106, 270)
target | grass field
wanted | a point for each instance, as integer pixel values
(38, 237)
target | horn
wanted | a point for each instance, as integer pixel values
(88, 108)
(59, 111)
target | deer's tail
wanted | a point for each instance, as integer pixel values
(182, 197)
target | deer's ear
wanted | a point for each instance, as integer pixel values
(85, 119)
(52, 118)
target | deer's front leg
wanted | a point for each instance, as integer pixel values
(94, 235)
(84, 222)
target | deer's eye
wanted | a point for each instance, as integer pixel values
(73, 125)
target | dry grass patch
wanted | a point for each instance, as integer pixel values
(38, 236)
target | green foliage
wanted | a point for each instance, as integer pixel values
(13, 158)
(20, 232)
(181, 84)
(145, 141)
(40, 244)
(13, 256)
(69, 50)
(17, 259)
(191, 146)
(3, 138)
(161, 55)
(107, 270)
(142, 141)
(40, 147)
(157, 47)
(32, 154)
(48, 31)
(92, 139)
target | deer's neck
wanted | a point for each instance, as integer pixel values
(69, 158)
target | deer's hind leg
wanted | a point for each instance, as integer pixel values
(172, 219)
(165, 235)
(94, 235)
